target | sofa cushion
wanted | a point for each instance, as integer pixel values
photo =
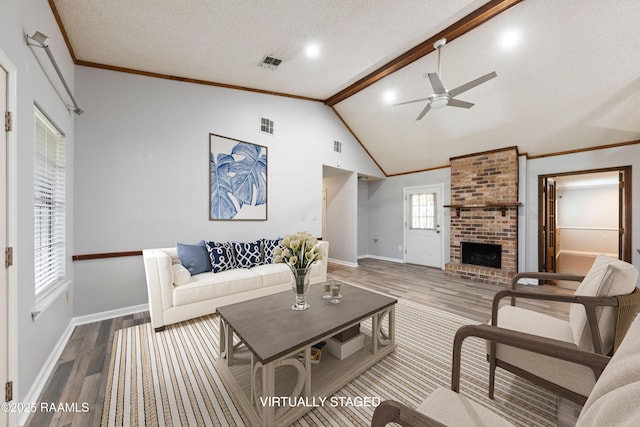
(213, 285)
(180, 274)
(194, 257)
(453, 409)
(607, 277)
(274, 274)
(269, 245)
(248, 254)
(577, 378)
(221, 256)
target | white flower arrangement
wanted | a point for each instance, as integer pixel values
(298, 251)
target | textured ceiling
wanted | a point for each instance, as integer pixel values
(570, 82)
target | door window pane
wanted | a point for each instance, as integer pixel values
(423, 211)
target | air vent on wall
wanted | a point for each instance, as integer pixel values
(270, 62)
(337, 146)
(266, 126)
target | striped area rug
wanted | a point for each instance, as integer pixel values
(169, 378)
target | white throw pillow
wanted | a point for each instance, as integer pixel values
(607, 277)
(180, 274)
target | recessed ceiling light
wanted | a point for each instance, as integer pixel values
(510, 39)
(312, 50)
(389, 96)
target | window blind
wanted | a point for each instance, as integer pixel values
(49, 204)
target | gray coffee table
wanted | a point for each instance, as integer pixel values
(275, 335)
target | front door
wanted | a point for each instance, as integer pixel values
(423, 240)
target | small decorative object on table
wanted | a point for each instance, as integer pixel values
(299, 251)
(335, 292)
(327, 289)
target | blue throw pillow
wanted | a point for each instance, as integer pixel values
(221, 256)
(195, 258)
(248, 254)
(269, 245)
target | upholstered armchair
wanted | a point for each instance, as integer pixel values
(613, 400)
(602, 308)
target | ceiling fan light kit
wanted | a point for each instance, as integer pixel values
(438, 100)
(441, 96)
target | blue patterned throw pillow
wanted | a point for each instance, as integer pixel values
(269, 245)
(248, 254)
(222, 257)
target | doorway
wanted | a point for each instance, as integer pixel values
(583, 214)
(423, 214)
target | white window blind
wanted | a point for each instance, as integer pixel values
(49, 204)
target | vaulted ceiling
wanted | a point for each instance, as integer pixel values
(568, 71)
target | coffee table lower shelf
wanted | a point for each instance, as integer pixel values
(327, 377)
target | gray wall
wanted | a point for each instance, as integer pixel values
(141, 172)
(386, 212)
(35, 340)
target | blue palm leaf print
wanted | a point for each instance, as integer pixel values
(249, 174)
(222, 206)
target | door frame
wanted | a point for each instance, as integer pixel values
(624, 246)
(439, 218)
(12, 240)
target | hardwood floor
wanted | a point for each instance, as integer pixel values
(81, 372)
(431, 287)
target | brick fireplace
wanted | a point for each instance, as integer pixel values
(484, 216)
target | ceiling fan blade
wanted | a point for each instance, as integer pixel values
(458, 103)
(436, 83)
(424, 111)
(473, 83)
(410, 102)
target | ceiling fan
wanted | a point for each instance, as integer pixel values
(442, 97)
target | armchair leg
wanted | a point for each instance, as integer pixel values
(492, 369)
(160, 329)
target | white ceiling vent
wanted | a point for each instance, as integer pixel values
(269, 62)
(266, 126)
(337, 146)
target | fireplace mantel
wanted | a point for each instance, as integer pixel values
(502, 206)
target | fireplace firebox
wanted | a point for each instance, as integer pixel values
(484, 254)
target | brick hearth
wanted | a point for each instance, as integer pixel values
(484, 199)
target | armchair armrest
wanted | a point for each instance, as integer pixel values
(589, 302)
(545, 276)
(391, 411)
(534, 343)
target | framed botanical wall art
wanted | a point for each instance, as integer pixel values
(237, 180)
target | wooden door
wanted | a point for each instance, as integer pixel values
(548, 225)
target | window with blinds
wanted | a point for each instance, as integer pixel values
(49, 204)
(423, 211)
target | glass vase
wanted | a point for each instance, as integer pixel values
(300, 286)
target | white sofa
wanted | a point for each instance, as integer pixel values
(203, 293)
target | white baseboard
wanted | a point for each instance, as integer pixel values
(346, 263)
(50, 363)
(383, 258)
(110, 314)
